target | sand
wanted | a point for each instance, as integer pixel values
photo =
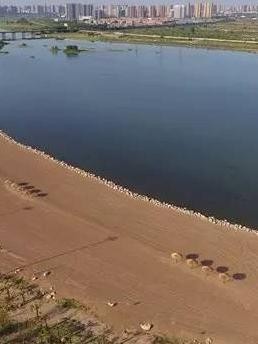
(101, 245)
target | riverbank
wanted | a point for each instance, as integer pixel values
(239, 35)
(198, 42)
(101, 245)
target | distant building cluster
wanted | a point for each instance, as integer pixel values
(180, 11)
(78, 11)
(37, 10)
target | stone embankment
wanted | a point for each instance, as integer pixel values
(223, 223)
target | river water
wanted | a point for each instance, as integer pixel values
(178, 124)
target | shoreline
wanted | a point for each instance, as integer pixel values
(101, 243)
(184, 42)
(198, 43)
(134, 195)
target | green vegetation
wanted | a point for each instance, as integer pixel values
(4, 316)
(240, 34)
(243, 30)
(2, 44)
(69, 303)
(73, 50)
(23, 24)
(30, 315)
(166, 340)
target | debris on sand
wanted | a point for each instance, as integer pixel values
(192, 263)
(146, 326)
(2, 249)
(51, 296)
(112, 304)
(176, 257)
(224, 277)
(46, 273)
(208, 340)
(207, 269)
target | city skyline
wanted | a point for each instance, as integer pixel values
(118, 2)
(126, 13)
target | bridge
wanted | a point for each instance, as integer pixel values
(15, 35)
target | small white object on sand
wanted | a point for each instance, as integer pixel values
(46, 273)
(51, 296)
(176, 257)
(224, 277)
(112, 304)
(206, 269)
(146, 326)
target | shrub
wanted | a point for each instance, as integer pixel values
(69, 303)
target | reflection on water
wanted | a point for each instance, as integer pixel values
(176, 123)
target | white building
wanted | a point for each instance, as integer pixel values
(179, 11)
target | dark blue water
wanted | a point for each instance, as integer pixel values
(175, 123)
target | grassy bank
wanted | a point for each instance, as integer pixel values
(23, 24)
(131, 37)
(241, 35)
(242, 30)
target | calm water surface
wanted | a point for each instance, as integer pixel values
(178, 124)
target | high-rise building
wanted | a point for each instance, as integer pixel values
(170, 11)
(40, 10)
(113, 11)
(189, 10)
(100, 12)
(132, 11)
(152, 11)
(13, 10)
(179, 11)
(72, 11)
(214, 10)
(142, 11)
(162, 11)
(87, 10)
(122, 11)
(207, 10)
(198, 10)
(61, 10)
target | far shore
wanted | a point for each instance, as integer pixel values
(195, 42)
(101, 242)
(239, 34)
(131, 38)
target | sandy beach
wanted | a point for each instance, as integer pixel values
(100, 245)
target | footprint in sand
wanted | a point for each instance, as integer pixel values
(24, 190)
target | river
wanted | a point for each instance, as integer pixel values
(178, 124)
